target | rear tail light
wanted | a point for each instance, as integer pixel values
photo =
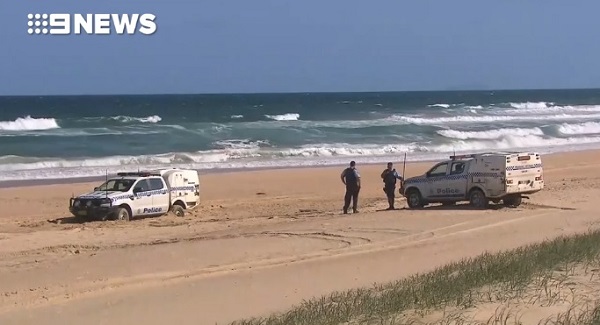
(509, 181)
(538, 178)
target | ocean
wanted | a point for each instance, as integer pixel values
(50, 137)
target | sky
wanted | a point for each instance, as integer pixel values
(242, 46)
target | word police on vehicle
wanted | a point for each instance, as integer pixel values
(477, 178)
(91, 24)
(134, 194)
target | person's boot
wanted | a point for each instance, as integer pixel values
(391, 204)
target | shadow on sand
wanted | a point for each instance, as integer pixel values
(80, 220)
(468, 207)
(70, 220)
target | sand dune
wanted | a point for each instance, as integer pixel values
(244, 254)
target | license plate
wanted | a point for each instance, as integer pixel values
(82, 213)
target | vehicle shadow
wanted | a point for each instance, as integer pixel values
(69, 220)
(75, 220)
(467, 206)
(459, 207)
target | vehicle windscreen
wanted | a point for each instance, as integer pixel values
(120, 185)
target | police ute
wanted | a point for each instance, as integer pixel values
(477, 178)
(136, 194)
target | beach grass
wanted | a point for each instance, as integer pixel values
(461, 285)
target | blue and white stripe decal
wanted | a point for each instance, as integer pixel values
(511, 168)
(183, 188)
(451, 177)
(147, 193)
(155, 192)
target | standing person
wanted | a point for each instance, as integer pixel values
(389, 176)
(351, 178)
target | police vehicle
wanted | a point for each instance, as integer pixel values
(135, 194)
(477, 178)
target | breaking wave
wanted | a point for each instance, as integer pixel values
(580, 129)
(253, 154)
(29, 123)
(490, 134)
(491, 118)
(284, 117)
(128, 119)
(261, 134)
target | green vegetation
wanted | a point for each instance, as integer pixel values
(487, 278)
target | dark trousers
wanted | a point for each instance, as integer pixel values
(351, 194)
(390, 191)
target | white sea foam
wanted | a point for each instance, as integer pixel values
(129, 119)
(284, 117)
(551, 110)
(240, 144)
(245, 154)
(29, 123)
(580, 129)
(490, 118)
(514, 142)
(531, 105)
(440, 105)
(490, 134)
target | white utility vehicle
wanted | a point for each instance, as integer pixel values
(135, 194)
(477, 178)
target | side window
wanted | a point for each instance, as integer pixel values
(457, 168)
(439, 170)
(142, 185)
(156, 184)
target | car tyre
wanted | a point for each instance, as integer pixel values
(477, 199)
(414, 199)
(122, 214)
(512, 201)
(178, 211)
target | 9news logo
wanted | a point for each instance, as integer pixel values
(90, 24)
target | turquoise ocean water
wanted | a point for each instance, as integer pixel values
(79, 136)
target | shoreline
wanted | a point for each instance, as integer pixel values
(82, 180)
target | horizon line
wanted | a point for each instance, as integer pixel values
(300, 92)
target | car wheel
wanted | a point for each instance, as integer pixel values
(477, 199)
(512, 201)
(414, 199)
(122, 214)
(178, 211)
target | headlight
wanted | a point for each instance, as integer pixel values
(106, 202)
(76, 203)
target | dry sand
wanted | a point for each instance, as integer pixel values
(261, 242)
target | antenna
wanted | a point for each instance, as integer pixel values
(106, 184)
(403, 171)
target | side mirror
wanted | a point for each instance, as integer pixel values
(97, 188)
(137, 189)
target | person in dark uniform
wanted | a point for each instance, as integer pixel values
(351, 178)
(389, 176)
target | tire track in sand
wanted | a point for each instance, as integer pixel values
(99, 287)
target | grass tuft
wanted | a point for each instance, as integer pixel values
(456, 285)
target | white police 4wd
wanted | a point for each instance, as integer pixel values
(135, 194)
(477, 178)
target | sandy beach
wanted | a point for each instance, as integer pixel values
(261, 242)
